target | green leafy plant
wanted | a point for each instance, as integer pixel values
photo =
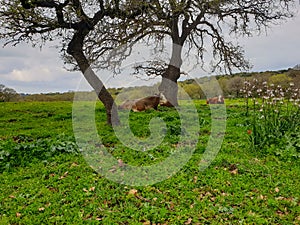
(22, 151)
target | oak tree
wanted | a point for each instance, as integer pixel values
(75, 23)
(205, 26)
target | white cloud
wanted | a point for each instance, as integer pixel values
(32, 74)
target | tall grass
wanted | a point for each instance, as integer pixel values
(274, 115)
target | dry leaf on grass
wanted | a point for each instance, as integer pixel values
(189, 221)
(132, 192)
(234, 172)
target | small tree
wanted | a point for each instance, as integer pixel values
(235, 85)
(7, 94)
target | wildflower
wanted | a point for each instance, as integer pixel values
(249, 132)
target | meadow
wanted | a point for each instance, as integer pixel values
(44, 178)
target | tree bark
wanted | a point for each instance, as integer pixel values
(75, 48)
(169, 86)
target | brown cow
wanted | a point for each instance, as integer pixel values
(127, 104)
(215, 100)
(142, 104)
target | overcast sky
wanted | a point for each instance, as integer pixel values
(31, 70)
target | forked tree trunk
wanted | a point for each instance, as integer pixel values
(75, 49)
(169, 86)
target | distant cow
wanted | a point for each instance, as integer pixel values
(215, 100)
(142, 104)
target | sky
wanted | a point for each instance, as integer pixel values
(34, 70)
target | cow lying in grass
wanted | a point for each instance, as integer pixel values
(215, 100)
(142, 104)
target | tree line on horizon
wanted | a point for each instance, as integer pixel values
(230, 86)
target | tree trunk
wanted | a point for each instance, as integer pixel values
(168, 84)
(75, 48)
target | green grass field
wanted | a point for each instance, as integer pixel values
(45, 180)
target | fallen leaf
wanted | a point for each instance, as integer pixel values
(64, 176)
(262, 197)
(74, 164)
(92, 189)
(18, 214)
(85, 190)
(132, 192)
(280, 213)
(276, 189)
(41, 209)
(12, 196)
(234, 172)
(195, 179)
(189, 221)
